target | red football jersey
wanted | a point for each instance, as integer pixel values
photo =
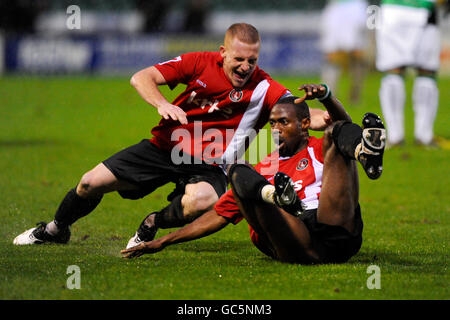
(305, 169)
(219, 115)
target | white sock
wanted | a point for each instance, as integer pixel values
(330, 75)
(267, 193)
(52, 228)
(392, 99)
(425, 101)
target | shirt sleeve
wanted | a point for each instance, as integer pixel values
(227, 207)
(275, 92)
(181, 69)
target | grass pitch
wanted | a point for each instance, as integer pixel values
(52, 130)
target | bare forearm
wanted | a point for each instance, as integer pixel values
(146, 83)
(208, 223)
(335, 109)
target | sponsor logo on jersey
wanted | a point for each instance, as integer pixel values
(200, 82)
(235, 95)
(302, 164)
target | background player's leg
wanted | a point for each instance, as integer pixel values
(392, 99)
(340, 185)
(357, 70)
(286, 236)
(331, 70)
(425, 101)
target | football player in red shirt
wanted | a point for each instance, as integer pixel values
(226, 92)
(308, 212)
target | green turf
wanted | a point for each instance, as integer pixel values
(52, 130)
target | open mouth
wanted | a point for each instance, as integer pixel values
(240, 75)
(281, 144)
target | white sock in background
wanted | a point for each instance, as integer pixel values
(425, 102)
(392, 99)
(330, 75)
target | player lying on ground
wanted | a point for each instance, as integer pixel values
(288, 221)
(226, 91)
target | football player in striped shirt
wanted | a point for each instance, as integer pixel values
(208, 124)
(308, 211)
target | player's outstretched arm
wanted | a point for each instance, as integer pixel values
(146, 83)
(335, 109)
(208, 223)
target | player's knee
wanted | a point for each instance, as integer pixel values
(245, 181)
(97, 181)
(89, 185)
(329, 135)
(85, 185)
(198, 201)
(328, 132)
(203, 201)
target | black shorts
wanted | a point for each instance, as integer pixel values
(334, 244)
(148, 167)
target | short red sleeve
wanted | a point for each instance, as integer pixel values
(227, 207)
(181, 69)
(275, 92)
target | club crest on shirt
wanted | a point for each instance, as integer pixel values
(235, 95)
(302, 164)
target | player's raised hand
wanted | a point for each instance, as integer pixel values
(312, 91)
(170, 111)
(142, 248)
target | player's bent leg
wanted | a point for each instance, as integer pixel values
(280, 235)
(99, 181)
(198, 198)
(82, 200)
(77, 203)
(246, 181)
(345, 142)
(337, 225)
(364, 144)
(340, 186)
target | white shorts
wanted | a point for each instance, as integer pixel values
(405, 39)
(343, 26)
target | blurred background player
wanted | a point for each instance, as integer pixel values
(408, 36)
(317, 218)
(343, 40)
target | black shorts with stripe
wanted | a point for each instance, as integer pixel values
(148, 168)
